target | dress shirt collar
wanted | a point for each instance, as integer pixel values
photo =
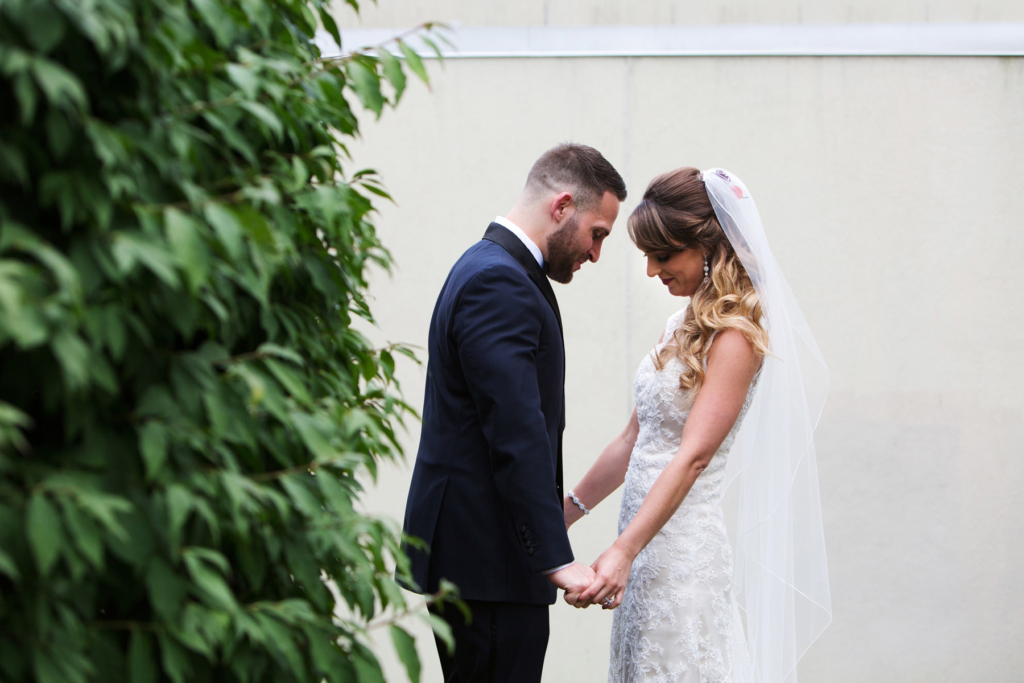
(518, 232)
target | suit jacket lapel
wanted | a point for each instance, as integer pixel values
(503, 237)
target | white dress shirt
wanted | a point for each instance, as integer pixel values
(518, 232)
(535, 250)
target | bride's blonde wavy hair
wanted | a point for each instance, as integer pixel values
(676, 214)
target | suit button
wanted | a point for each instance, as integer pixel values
(530, 552)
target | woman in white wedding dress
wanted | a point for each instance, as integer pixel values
(738, 354)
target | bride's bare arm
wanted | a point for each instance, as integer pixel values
(605, 475)
(732, 365)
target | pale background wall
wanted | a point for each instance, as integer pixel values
(577, 12)
(892, 191)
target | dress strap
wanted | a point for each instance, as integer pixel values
(710, 342)
(673, 323)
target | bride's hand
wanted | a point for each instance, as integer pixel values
(612, 569)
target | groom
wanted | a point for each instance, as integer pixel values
(486, 492)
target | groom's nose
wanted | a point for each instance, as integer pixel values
(595, 252)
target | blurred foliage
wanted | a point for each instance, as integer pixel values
(185, 403)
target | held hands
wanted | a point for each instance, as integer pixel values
(573, 579)
(611, 574)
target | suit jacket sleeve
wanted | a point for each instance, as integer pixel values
(497, 332)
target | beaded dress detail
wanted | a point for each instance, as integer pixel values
(678, 621)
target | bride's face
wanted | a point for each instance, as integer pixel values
(681, 271)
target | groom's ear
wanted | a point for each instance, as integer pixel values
(561, 206)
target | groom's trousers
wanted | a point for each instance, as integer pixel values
(504, 642)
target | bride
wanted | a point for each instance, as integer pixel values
(726, 407)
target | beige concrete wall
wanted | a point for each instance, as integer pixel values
(893, 195)
(595, 12)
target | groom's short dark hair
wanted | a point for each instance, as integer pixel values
(578, 169)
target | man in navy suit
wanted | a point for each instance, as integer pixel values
(486, 493)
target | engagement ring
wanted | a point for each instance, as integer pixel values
(609, 600)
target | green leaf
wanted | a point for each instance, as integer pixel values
(414, 62)
(367, 667)
(313, 434)
(329, 24)
(105, 509)
(8, 567)
(42, 28)
(101, 373)
(256, 226)
(84, 532)
(153, 446)
(387, 362)
(175, 659)
(296, 485)
(26, 93)
(393, 72)
(405, 646)
(58, 132)
(211, 585)
(217, 19)
(46, 669)
(12, 422)
(44, 532)
(433, 46)
(73, 355)
(166, 591)
(60, 86)
(293, 382)
(245, 78)
(266, 116)
(12, 164)
(269, 349)
(141, 659)
(187, 245)
(366, 83)
(228, 228)
(180, 502)
(441, 629)
(130, 249)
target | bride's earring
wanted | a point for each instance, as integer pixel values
(706, 270)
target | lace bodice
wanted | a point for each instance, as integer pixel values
(678, 620)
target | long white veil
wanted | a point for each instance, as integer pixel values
(781, 575)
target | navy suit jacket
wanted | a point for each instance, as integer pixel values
(486, 488)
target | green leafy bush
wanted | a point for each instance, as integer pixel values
(185, 404)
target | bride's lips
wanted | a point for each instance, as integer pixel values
(665, 282)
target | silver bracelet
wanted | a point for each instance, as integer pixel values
(581, 506)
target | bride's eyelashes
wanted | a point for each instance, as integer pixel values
(660, 258)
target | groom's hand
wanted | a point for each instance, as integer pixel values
(573, 579)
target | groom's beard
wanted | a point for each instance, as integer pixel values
(563, 252)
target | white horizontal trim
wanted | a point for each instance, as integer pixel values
(784, 40)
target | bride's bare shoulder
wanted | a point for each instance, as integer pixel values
(731, 348)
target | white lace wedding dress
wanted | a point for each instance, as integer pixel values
(678, 621)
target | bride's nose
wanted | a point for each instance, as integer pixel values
(652, 267)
